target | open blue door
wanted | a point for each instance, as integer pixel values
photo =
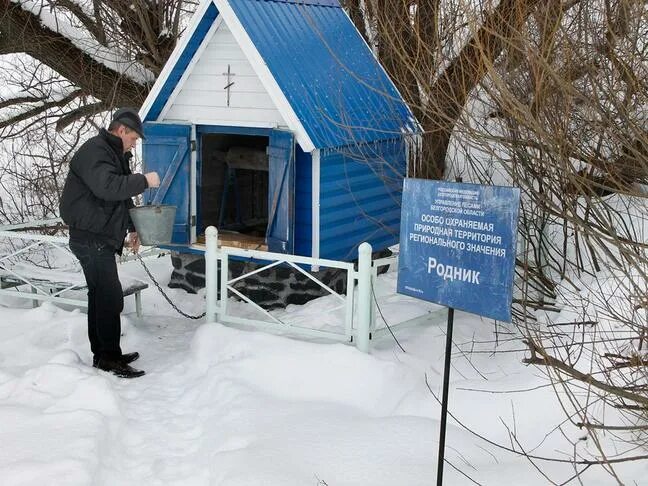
(166, 150)
(280, 235)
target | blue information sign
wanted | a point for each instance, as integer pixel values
(457, 245)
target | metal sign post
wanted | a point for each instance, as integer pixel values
(457, 248)
(444, 399)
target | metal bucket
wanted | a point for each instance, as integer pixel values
(154, 224)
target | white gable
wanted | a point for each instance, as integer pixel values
(201, 97)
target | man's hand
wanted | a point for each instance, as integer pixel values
(133, 242)
(152, 179)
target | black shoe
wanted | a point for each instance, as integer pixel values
(124, 358)
(129, 357)
(117, 367)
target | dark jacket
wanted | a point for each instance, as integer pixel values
(98, 191)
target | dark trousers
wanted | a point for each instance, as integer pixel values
(105, 298)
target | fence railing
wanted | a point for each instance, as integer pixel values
(17, 245)
(219, 288)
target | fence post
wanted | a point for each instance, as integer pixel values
(211, 273)
(364, 297)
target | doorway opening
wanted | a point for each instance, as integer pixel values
(234, 188)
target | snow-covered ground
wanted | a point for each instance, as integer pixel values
(235, 407)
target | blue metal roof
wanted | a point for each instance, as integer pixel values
(330, 77)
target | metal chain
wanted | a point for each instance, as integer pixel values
(148, 272)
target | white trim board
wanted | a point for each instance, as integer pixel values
(315, 201)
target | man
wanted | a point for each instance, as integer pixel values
(94, 204)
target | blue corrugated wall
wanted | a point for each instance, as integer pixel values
(360, 197)
(303, 203)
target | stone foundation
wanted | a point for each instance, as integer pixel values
(273, 288)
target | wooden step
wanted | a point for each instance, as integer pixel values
(233, 239)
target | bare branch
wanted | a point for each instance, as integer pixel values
(79, 113)
(546, 360)
(21, 99)
(94, 27)
(40, 109)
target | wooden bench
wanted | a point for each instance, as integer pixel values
(53, 288)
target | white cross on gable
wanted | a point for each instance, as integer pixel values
(230, 83)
